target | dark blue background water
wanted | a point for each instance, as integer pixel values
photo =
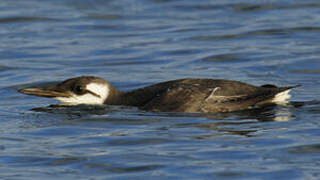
(134, 43)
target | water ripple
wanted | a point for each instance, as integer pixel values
(135, 43)
(264, 32)
(25, 19)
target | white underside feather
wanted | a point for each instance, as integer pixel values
(282, 97)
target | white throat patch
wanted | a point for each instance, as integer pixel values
(99, 89)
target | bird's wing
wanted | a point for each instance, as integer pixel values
(194, 98)
(177, 98)
(220, 103)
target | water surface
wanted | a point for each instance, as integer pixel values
(137, 43)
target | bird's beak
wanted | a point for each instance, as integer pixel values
(44, 92)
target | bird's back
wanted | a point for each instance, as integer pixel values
(201, 95)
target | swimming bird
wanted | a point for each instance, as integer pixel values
(182, 95)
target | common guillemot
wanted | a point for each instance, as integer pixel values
(182, 95)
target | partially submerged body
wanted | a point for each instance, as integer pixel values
(183, 95)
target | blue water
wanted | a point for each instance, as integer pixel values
(135, 43)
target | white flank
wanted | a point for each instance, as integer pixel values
(100, 89)
(282, 98)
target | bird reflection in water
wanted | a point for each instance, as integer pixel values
(243, 123)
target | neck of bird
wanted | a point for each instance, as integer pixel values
(136, 97)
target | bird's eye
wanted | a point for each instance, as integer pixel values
(79, 90)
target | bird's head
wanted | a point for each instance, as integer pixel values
(78, 90)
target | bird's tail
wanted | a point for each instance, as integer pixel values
(282, 93)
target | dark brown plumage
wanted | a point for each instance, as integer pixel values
(183, 95)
